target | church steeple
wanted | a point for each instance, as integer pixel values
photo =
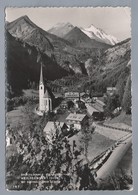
(41, 77)
(45, 101)
(41, 92)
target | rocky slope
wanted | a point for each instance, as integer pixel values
(112, 58)
(120, 52)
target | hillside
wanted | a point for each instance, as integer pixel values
(116, 71)
(23, 65)
(110, 62)
(116, 54)
(113, 69)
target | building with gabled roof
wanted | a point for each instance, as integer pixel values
(78, 121)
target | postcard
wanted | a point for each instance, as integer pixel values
(68, 98)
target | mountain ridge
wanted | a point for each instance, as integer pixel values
(91, 31)
(64, 52)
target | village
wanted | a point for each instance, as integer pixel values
(76, 111)
(76, 126)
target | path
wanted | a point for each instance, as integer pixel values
(111, 133)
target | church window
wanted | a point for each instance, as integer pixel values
(49, 103)
(10, 140)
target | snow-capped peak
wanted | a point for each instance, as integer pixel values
(100, 35)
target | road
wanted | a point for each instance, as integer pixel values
(118, 153)
(116, 156)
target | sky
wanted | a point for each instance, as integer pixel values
(114, 21)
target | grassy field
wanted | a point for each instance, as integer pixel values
(15, 117)
(123, 119)
(110, 133)
(98, 144)
(30, 93)
(18, 116)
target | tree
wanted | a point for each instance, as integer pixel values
(37, 154)
(70, 104)
(126, 103)
(87, 132)
(112, 102)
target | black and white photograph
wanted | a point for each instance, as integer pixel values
(68, 99)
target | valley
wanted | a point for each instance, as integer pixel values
(68, 103)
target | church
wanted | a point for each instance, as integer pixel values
(45, 100)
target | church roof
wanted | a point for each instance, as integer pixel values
(41, 76)
(47, 95)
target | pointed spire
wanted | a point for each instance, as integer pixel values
(41, 76)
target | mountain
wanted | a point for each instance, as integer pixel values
(61, 29)
(24, 29)
(60, 50)
(29, 46)
(80, 39)
(99, 35)
(65, 53)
